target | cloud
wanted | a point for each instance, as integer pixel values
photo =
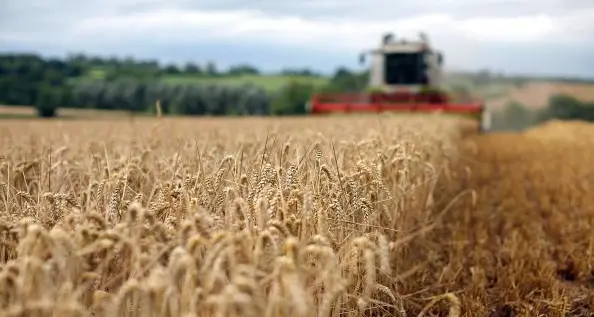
(467, 31)
(333, 35)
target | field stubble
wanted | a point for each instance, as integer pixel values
(291, 217)
(528, 244)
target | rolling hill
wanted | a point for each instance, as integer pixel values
(536, 94)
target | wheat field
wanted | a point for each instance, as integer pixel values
(335, 216)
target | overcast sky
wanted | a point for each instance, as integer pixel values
(516, 36)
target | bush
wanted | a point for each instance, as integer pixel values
(180, 99)
(565, 107)
(292, 99)
(48, 101)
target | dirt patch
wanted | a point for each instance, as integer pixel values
(536, 95)
(17, 110)
(24, 111)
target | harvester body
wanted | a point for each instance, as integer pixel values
(403, 76)
(404, 66)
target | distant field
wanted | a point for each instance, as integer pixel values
(29, 112)
(531, 92)
(496, 91)
(490, 90)
(537, 94)
(268, 82)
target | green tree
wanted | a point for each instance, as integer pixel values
(48, 101)
(292, 98)
(565, 107)
(242, 70)
(299, 72)
(345, 80)
(192, 68)
(211, 69)
(172, 70)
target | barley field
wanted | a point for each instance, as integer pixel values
(335, 216)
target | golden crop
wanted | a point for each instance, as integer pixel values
(388, 216)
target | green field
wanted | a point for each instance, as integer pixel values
(489, 87)
(490, 90)
(268, 82)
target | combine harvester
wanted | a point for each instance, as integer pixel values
(405, 76)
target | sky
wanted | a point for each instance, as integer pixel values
(541, 37)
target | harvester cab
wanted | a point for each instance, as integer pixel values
(406, 76)
(403, 65)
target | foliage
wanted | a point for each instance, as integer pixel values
(299, 73)
(48, 100)
(23, 77)
(272, 83)
(83, 81)
(134, 85)
(192, 68)
(242, 70)
(345, 80)
(292, 99)
(566, 107)
(179, 99)
(130, 84)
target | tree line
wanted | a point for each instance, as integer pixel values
(80, 81)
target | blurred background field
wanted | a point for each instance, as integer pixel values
(132, 86)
